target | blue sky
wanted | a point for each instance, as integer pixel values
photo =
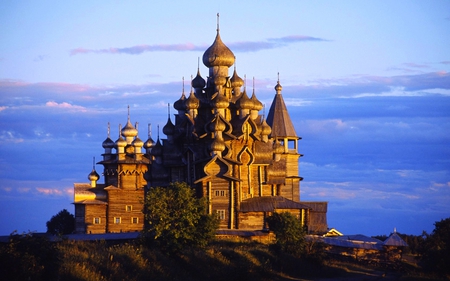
(367, 85)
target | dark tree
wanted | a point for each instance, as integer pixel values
(290, 235)
(175, 218)
(61, 223)
(436, 250)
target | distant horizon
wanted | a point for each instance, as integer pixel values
(367, 86)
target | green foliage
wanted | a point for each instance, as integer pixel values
(290, 235)
(61, 223)
(436, 250)
(176, 218)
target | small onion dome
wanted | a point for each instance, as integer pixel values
(244, 102)
(169, 128)
(265, 128)
(217, 145)
(108, 143)
(278, 87)
(157, 150)
(149, 143)
(217, 125)
(180, 104)
(120, 142)
(129, 130)
(198, 82)
(278, 148)
(218, 54)
(220, 101)
(257, 105)
(192, 101)
(236, 81)
(220, 81)
(137, 142)
(93, 176)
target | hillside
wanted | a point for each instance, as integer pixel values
(34, 258)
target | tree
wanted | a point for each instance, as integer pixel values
(176, 218)
(61, 223)
(290, 235)
(436, 250)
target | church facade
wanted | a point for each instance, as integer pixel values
(246, 165)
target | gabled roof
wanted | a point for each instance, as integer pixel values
(269, 204)
(279, 119)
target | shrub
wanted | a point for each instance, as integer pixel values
(176, 218)
(290, 235)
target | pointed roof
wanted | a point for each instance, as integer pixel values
(278, 117)
(395, 240)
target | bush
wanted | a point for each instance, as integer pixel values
(176, 218)
(290, 235)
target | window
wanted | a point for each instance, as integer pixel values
(221, 193)
(117, 220)
(134, 220)
(97, 220)
(221, 214)
(129, 208)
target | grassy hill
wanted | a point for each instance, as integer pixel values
(34, 258)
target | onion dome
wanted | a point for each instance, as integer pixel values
(236, 81)
(120, 142)
(108, 143)
(169, 128)
(244, 102)
(218, 54)
(257, 105)
(278, 87)
(198, 82)
(129, 130)
(220, 81)
(180, 104)
(137, 142)
(149, 143)
(157, 150)
(192, 102)
(93, 176)
(265, 128)
(217, 145)
(217, 125)
(220, 101)
(278, 148)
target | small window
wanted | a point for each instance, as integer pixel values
(134, 220)
(217, 193)
(97, 221)
(221, 214)
(117, 220)
(129, 208)
(222, 193)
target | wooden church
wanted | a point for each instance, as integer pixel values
(246, 165)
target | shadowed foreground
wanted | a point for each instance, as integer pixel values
(39, 259)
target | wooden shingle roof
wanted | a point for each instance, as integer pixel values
(279, 119)
(269, 204)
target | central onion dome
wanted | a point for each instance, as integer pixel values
(129, 130)
(218, 54)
